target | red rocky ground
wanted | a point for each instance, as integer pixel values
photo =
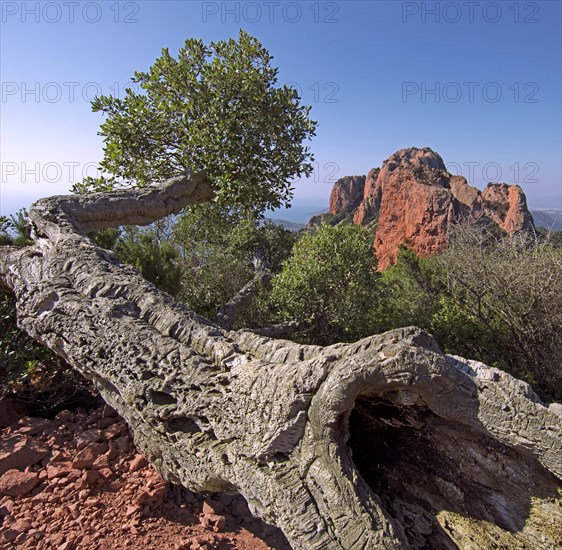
(78, 482)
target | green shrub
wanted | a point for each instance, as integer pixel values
(489, 297)
(216, 251)
(329, 285)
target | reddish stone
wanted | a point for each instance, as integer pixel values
(211, 508)
(32, 426)
(507, 206)
(10, 535)
(346, 194)
(65, 416)
(83, 439)
(15, 483)
(57, 457)
(215, 522)
(112, 453)
(412, 213)
(105, 422)
(6, 508)
(18, 452)
(102, 462)
(81, 484)
(372, 195)
(105, 473)
(58, 469)
(124, 443)
(91, 476)
(10, 411)
(114, 430)
(469, 199)
(137, 463)
(87, 456)
(132, 510)
(155, 497)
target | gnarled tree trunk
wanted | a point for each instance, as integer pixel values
(384, 443)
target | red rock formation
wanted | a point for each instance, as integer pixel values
(469, 199)
(346, 194)
(507, 206)
(371, 203)
(417, 200)
(416, 206)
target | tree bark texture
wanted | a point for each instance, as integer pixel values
(383, 443)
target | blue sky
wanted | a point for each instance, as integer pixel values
(478, 82)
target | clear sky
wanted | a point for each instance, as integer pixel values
(479, 82)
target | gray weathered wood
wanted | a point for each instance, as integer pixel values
(383, 443)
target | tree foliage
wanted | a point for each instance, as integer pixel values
(14, 230)
(216, 253)
(148, 249)
(216, 108)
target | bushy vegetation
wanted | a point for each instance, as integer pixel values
(489, 297)
(148, 249)
(513, 288)
(14, 230)
(216, 253)
(329, 285)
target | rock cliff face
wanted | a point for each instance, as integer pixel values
(417, 200)
(346, 194)
(507, 206)
(372, 195)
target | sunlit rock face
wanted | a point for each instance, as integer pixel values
(416, 201)
(346, 194)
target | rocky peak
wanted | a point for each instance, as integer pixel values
(416, 201)
(371, 203)
(412, 158)
(507, 206)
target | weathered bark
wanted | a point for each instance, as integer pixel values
(279, 330)
(230, 311)
(384, 443)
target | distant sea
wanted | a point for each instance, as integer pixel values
(297, 214)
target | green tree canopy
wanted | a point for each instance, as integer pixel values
(215, 108)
